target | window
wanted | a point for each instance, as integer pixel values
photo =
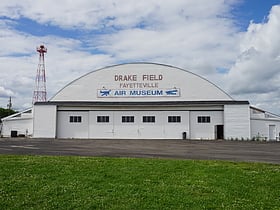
(174, 119)
(128, 119)
(149, 119)
(75, 119)
(103, 119)
(203, 119)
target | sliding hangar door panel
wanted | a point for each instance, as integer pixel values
(126, 124)
(175, 123)
(72, 124)
(101, 124)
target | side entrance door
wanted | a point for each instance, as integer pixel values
(219, 131)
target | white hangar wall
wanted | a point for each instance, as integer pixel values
(145, 101)
(45, 118)
(237, 121)
(160, 127)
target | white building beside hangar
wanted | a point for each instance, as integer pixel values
(148, 101)
(18, 124)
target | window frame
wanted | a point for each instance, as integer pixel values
(102, 118)
(204, 119)
(174, 119)
(128, 119)
(75, 119)
(148, 119)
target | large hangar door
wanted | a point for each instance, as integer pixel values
(72, 124)
(138, 124)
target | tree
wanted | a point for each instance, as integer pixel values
(6, 112)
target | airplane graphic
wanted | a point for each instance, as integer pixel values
(105, 92)
(171, 92)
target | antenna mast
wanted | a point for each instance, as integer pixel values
(40, 92)
(9, 105)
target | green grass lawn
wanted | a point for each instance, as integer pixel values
(42, 182)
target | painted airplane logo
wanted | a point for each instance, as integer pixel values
(172, 92)
(105, 92)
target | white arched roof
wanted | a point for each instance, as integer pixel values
(140, 82)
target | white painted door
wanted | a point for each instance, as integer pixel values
(126, 125)
(101, 124)
(72, 124)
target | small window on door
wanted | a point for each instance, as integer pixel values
(127, 119)
(203, 119)
(174, 119)
(103, 119)
(149, 119)
(75, 119)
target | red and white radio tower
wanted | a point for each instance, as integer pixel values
(40, 92)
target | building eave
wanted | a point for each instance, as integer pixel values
(150, 103)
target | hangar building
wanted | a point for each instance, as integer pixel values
(148, 101)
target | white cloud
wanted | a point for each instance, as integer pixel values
(188, 34)
(89, 14)
(256, 72)
(5, 93)
(198, 36)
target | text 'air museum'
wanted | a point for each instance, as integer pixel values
(143, 101)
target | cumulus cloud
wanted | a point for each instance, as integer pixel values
(256, 72)
(198, 36)
(5, 93)
(92, 14)
(188, 34)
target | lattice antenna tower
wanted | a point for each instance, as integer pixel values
(40, 91)
(9, 105)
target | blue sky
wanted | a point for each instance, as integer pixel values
(256, 11)
(232, 43)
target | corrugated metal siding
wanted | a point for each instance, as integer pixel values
(44, 121)
(237, 121)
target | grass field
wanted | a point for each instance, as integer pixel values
(40, 182)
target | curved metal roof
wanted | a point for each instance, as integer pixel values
(137, 81)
